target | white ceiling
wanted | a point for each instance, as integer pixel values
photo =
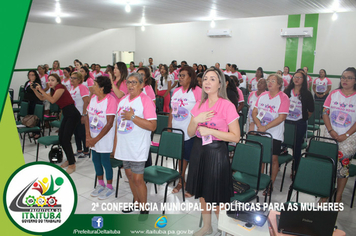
(111, 13)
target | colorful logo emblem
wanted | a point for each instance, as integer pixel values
(161, 222)
(39, 197)
(97, 222)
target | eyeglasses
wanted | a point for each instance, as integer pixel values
(271, 81)
(297, 77)
(133, 82)
(347, 78)
(73, 77)
(181, 76)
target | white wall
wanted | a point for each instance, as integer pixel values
(44, 43)
(255, 42)
(336, 43)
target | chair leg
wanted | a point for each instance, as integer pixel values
(297, 196)
(289, 193)
(284, 174)
(117, 181)
(353, 195)
(156, 188)
(201, 220)
(165, 195)
(183, 183)
(38, 146)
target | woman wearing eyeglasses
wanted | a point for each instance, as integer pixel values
(300, 109)
(269, 113)
(321, 86)
(163, 86)
(214, 121)
(339, 116)
(100, 132)
(80, 95)
(136, 118)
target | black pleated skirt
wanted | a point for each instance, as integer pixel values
(210, 173)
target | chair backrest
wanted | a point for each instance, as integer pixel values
(171, 143)
(162, 122)
(324, 146)
(248, 157)
(242, 123)
(311, 119)
(23, 109)
(54, 108)
(246, 100)
(266, 141)
(21, 93)
(39, 111)
(289, 134)
(11, 93)
(318, 109)
(315, 175)
(159, 103)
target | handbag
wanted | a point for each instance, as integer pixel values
(30, 121)
(239, 187)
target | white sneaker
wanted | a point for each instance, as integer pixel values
(106, 193)
(98, 189)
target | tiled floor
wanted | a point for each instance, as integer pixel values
(84, 180)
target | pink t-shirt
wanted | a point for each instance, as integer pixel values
(89, 83)
(322, 84)
(67, 84)
(241, 95)
(133, 142)
(122, 88)
(148, 90)
(58, 72)
(310, 80)
(272, 107)
(295, 108)
(77, 94)
(184, 102)
(342, 110)
(91, 75)
(97, 112)
(225, 113)
(287, 77)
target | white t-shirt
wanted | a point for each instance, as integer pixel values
(96, 74)
(342, 110)
(254, 83)
(252, 98)
(67, 84)
(295, 107)
(184, 102)
(244, 83)
(133, 143)
(287, 77)
(237, 74)
(89, 83)
(322, 84)
(272, 107)
(99, 110)
(175, 79)
(44, 81)
(131, 71)
(58, 72)
(165, 82)
(77, 94)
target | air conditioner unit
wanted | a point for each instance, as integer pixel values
(297, 32)
(219, 33)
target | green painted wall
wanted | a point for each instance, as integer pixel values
(309, 44)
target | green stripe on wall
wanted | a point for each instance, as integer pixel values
(292, 44)
(309, 44)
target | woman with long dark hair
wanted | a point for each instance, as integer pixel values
(71, 116)
(163, 87)
(321, 86)
(300, 109)
(119, 88)
(252, 85)
(87, 80)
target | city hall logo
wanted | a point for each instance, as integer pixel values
(39, 197)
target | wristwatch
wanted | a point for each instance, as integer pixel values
(347, 135)
(133, 117)
(85, 115)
